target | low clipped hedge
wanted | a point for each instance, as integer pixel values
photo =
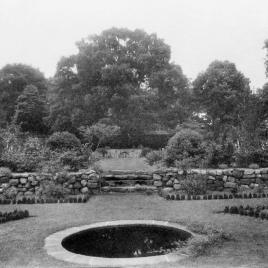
(14, 215)
(174, 196)
(25, 200)
(260, 211)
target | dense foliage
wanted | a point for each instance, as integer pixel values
(63, 140)
(30, 111)
(124, 77)
(13, 80)
(186, 149)
(121, 90)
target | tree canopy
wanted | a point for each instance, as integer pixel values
(222, 93)
(122, 75)
(13, 80)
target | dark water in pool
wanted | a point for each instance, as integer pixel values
(126, 241)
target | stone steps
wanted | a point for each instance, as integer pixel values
(127, 177)
(128, 189)
(127, 181)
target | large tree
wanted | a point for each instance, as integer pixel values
(121, 74)
(222, 94)
(13, 80)
(30, 111)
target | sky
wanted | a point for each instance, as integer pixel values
(40, 32)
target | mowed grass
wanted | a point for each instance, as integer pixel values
(132, 164)
(22, 241)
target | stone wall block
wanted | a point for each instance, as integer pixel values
(14, 182)
(237, 173)
(231, 179)
(83, 182)
(177, 186)
(157, 177)
(264, 170)
(77, 185)
(92, 185)
(23, 180)
(230, 185)
(84, 190)
(158, 183)
(72, 180)
(165, 178)
(248, 171)
(169, 183)
(34, 183)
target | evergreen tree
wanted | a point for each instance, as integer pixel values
(30, 111)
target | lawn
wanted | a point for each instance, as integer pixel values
(132, 164)
(22, 241)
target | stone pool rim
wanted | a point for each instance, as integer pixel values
(55, 249)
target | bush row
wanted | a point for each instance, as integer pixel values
(14, 215)
(75, 199)
(214, 196)
(258, 211)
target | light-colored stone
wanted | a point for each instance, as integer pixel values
(158, 183)
(180, 172)
(248, 171)
(254, 185)
(92, 185)
(31, 178)
(23, 180)
(84, 190)
(156, 177)
(169, 183)
(93, 176)
(177, 186)
(83, 182)
(4, 185)
(202, 171)
(211, 178)
(219, 172)
(230, 185)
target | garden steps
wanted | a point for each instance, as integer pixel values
(125, 189)
(127, 181)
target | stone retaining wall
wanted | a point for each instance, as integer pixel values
(31, 184)
(227, 180)
(88, 181)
